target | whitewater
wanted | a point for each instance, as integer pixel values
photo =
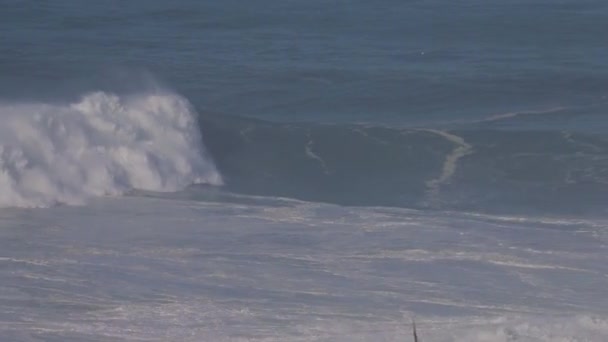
(269, 269)
(103, 144)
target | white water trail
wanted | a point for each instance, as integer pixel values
(308, 149)
(462, 148)
(104, 144)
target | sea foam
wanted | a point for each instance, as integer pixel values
(104, 144)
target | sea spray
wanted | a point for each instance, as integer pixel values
(104, 144)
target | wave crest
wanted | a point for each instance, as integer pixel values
(105, 144)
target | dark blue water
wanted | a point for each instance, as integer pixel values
(484, 105)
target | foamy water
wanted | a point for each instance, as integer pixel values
(261, 269)
(105, 144)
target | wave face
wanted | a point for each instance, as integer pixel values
(104, 144)
(478, 167)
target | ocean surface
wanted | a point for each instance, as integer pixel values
(304, 170)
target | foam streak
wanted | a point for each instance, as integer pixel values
(449, 165)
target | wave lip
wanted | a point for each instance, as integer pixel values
(105, 144)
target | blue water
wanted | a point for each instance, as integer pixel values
(526, 82)
(402, 62)
(303, 170)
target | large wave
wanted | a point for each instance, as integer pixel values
(478, 167)
(104, 144)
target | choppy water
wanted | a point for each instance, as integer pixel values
(303, 170)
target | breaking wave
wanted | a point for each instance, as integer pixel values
(104, 144)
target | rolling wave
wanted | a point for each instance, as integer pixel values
(474, 168)
(104, 144)
(108, 144)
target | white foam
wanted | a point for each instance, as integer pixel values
(105, 144)
(511, 115)
(450, 164)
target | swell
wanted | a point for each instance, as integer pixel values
(476, 168)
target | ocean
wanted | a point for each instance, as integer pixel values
(304, 170)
